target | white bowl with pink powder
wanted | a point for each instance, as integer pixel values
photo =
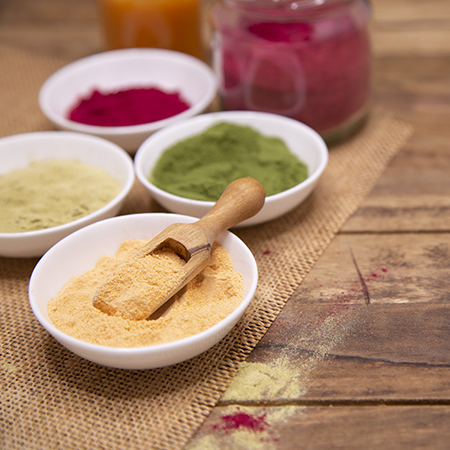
(80, 251)
(119, 70)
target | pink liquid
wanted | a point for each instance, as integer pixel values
(315, 71)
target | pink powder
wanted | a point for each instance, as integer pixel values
(127, 107)
(242, 420)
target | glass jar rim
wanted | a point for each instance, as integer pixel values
(293, 4)
(292, 7)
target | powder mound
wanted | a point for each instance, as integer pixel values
(52, 192)
(209, 298)
(127, 107)
(202, 166)
(136, 289)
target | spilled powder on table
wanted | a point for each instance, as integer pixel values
(8, 367)
(286, 377)
(208, 298)
(258, 381)
(245, 428)
(282, 382)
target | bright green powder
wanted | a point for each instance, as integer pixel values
(52, 192)
(202, 166)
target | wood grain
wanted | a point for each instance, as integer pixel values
(368, 351)
(370, 323)
(326, 427)
(411, 27)
(60, 28)
(360, 356)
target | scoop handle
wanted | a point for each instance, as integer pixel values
(240, 200)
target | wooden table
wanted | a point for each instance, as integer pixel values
(375, 375)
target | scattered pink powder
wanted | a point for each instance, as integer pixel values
(242, 420)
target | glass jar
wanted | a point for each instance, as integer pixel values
(305, 59)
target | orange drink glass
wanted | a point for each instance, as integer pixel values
(169, 24)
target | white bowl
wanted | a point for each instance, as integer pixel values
(123, 69)
(302, 140)
(16, 152)
(87, 245)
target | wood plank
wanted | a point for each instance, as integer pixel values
(396, 268)
(418, 42)
(407, 213)
(341, 355)
(410, 27)
(60, 28)
(414, 192)
(335, 369)
(49, 12)
(419, 90)
(387, 11)
(302, 428)
(64, 42)
(376, 328)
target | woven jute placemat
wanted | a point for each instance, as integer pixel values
(52, 399)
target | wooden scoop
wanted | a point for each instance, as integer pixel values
(241, 200)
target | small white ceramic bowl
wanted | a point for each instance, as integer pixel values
(123, 69)
(87, 245)
(302, 140)
(16, 152)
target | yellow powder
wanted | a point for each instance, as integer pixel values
(286, 376)
(249, 440)
(209, 298)
(52, 192)
(258, 381)
(135, 290)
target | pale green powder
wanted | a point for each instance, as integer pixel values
(52, 192)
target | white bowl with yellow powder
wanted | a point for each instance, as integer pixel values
(54, 182)
(190, 328)
(117, 70)
(193, 168)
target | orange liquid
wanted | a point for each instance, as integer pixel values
(169, 24)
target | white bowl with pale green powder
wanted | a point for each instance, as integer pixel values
(53, 183)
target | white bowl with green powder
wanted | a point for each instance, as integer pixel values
(187, 165)
(54, 182)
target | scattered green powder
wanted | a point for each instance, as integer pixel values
(52, 192)
(8, 367)
(202, 166)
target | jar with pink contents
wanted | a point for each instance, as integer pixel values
(305, 59)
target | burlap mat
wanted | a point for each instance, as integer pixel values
(52, 399)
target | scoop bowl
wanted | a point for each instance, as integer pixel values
(87, 245)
